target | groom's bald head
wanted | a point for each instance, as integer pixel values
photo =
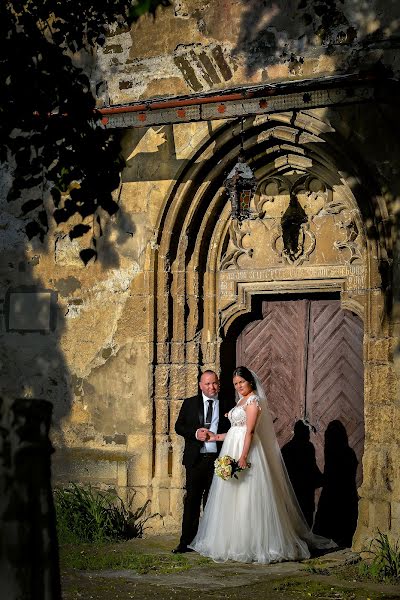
(209, 383)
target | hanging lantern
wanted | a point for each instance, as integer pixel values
(241, 185)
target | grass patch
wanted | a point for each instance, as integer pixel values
(384, 563)
(302, 589)
(353, 573)
(86, 557)
(88, 515)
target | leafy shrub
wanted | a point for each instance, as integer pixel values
(87, 515)
(385, 559)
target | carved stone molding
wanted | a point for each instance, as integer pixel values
(290, 206)
(236, 287)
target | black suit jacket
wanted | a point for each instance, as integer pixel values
(190, 419)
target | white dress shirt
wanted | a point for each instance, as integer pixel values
(211, 446)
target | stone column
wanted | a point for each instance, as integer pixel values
(28, 545)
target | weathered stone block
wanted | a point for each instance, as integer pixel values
(177, 385)
(395, 510)
(380, 349)
(139, 470)
(86, 468)
(362, 540)
(395, 518)
(134, 319)
(380, 516)
(363, 513)
(176, 505)
(161, 380)
(379, 472)
(162, 352)
(379, 423)
(161, 409)
(378, 326)
(67, 253)
(163, 501)
(380, 383)
(177, 351)
(122, 475)
(188, 137)
(193, 351)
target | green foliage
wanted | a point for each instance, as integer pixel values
(51, 135)
(385, 560)
(87, 515)
(145, 6)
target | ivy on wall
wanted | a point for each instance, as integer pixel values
(51, 135)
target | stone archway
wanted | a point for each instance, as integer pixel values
(208, 269)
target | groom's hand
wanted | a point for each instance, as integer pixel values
(202, 434)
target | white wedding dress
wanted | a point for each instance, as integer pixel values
(255, 518)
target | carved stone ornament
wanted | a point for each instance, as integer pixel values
(296, 245)
(289, 207)
(351, 230)
(235, 247)
(349, 226)
(292, 240)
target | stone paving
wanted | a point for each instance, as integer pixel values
(228, 580)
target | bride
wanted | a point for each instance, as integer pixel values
(255, 518)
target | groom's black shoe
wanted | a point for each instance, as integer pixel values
(181, 549)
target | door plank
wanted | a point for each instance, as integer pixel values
(335, 380)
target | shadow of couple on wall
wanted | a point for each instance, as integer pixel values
(336, 513)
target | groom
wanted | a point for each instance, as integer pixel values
(198, 416)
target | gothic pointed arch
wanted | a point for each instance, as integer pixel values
(314, 226)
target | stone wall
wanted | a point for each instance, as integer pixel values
(118, 344)
(199, 46)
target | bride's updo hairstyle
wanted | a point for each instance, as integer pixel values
(245, 374)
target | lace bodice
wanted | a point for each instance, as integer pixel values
(237, 414)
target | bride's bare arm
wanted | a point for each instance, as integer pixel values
(216, 437)
(252, 412)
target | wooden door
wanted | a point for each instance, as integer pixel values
(308, 355)
(273, 348)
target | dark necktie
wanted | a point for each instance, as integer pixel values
(209, 413)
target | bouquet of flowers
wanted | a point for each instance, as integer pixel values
(227, 467)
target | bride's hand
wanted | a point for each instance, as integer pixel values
(242, 462)
(212, 437)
